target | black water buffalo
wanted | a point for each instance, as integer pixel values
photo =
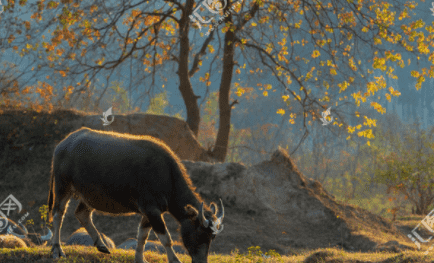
(81, 237)
(19, 231)
(127, 174)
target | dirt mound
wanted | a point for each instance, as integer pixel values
(22, 130)
(297, 209)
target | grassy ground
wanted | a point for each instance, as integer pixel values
(88, 254)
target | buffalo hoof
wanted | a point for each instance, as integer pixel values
(57, 251)
(103, 249)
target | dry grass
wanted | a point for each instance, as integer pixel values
(90, 254)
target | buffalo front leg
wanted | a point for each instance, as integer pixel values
(142, 236)
(84, 214)
(60, 205)
(159, 227)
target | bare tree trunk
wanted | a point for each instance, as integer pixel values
(422, 206)
(222, 140)
(190, 99)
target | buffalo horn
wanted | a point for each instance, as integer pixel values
(47, 236)
(203, 220)
(24, 228)
(221, 212)
(43, 238)
(10, 231)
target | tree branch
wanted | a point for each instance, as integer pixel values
(195, 66)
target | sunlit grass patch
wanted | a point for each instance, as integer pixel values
(83, 254)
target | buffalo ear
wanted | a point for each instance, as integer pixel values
(191, 211)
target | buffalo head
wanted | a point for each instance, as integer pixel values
(200, 229)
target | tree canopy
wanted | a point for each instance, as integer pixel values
(321, 54)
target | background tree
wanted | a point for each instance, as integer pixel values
(406, 167)
(313, 49)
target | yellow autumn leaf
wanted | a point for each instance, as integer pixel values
(288, 80)
(280, 111)
(333, 71)
(239, 92)
(238, 71)
(265, 93)
(211, 48)
(315, 54)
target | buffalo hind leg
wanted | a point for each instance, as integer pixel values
(60, 205)
(142, 236)
(84, 214)
(159, 227)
